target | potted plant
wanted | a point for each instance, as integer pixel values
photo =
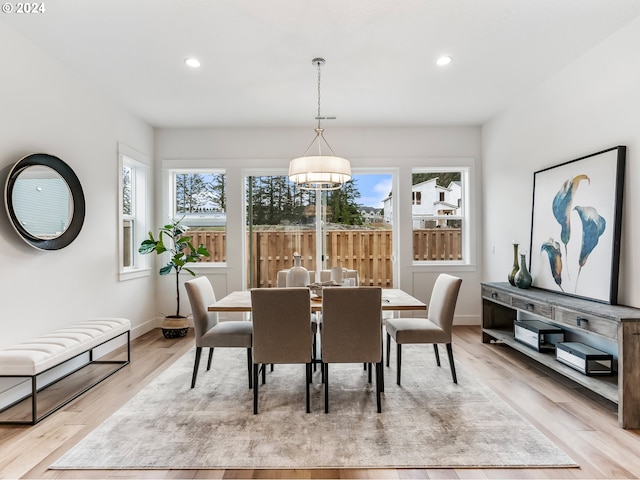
(172, 239)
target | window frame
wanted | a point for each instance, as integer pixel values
(467, 216)
(171, 174)
(141, 211)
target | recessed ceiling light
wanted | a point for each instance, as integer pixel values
(444, 60)
(192, 62)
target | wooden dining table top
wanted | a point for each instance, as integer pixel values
(392, 299)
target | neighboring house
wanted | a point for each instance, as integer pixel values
(371, 214)
(428, 199)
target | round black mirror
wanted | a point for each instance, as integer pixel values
(44, 201)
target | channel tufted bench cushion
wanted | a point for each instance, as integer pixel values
(38, 355)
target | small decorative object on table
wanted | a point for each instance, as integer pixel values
(516, 265)
(297, 276)
(523, 277)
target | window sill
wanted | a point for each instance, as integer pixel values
(444, 267)
(131, 274)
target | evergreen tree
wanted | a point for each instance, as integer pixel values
(342, 205)
(189, 187)
(218, 189)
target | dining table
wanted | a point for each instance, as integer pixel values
(393, 299)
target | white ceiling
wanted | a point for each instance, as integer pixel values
(256, 55)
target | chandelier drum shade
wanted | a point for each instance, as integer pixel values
(319, 171)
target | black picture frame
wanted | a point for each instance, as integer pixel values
(576, 224)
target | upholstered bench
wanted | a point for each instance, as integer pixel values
(33, 358)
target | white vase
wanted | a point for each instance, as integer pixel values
(297, 276)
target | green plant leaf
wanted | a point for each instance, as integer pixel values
(147, 246)
(190, 271)
(166, 270)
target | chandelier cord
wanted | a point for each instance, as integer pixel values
(318, 63)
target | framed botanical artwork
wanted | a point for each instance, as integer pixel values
(575, 226)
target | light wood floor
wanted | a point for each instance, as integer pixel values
(585, 428)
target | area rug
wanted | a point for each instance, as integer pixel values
(428, 422)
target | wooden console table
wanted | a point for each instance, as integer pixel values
(501, 302)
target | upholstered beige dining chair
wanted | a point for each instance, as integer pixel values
(281, 332)
(435, 329)
(281, 282)
(352, 331)
(209, 331)
(325, 276)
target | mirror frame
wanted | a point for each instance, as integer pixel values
(77, 196)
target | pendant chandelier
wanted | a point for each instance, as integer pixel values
(319, 171)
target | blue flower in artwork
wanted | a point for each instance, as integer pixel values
(562, 206)
(593, 226)
(555, 260)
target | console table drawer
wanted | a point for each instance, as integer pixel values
(590, 323)
(496, 296)
(539, 308)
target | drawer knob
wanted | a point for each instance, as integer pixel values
(494, 294)
(529, 306)
(580, 320)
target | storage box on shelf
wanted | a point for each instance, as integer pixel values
(620, 324)
(585, 358)
(538, 335)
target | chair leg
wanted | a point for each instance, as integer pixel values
(398, 361)
(264, 373)
(378, 385)
(313, 346)
(255, 388)
(249, 366)
(325, 367)
(369, 373)
(435, 349)
(388, 348)
(210, 359)
(195, 366)
(307, 385)
(451, 364)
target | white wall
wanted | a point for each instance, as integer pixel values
(590, 105)
(399, 148)
(48, 109)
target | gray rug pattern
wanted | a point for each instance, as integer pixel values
(427, 422)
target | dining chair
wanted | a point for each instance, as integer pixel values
(209, 331)
(281, 282)
(352, 331)
(325, 276)
(281, 277)
(434, 329)
(281, 332)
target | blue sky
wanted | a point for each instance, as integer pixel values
(373, 188)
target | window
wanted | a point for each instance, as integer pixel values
(199, 198)
(440, 223)
(133, 214)
(417, 198)
(344, 227)
(128, 219)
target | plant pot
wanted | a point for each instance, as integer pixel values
(175, 326)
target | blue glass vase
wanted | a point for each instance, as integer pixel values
(523, 277)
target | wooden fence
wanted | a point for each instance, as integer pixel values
(368, 251)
